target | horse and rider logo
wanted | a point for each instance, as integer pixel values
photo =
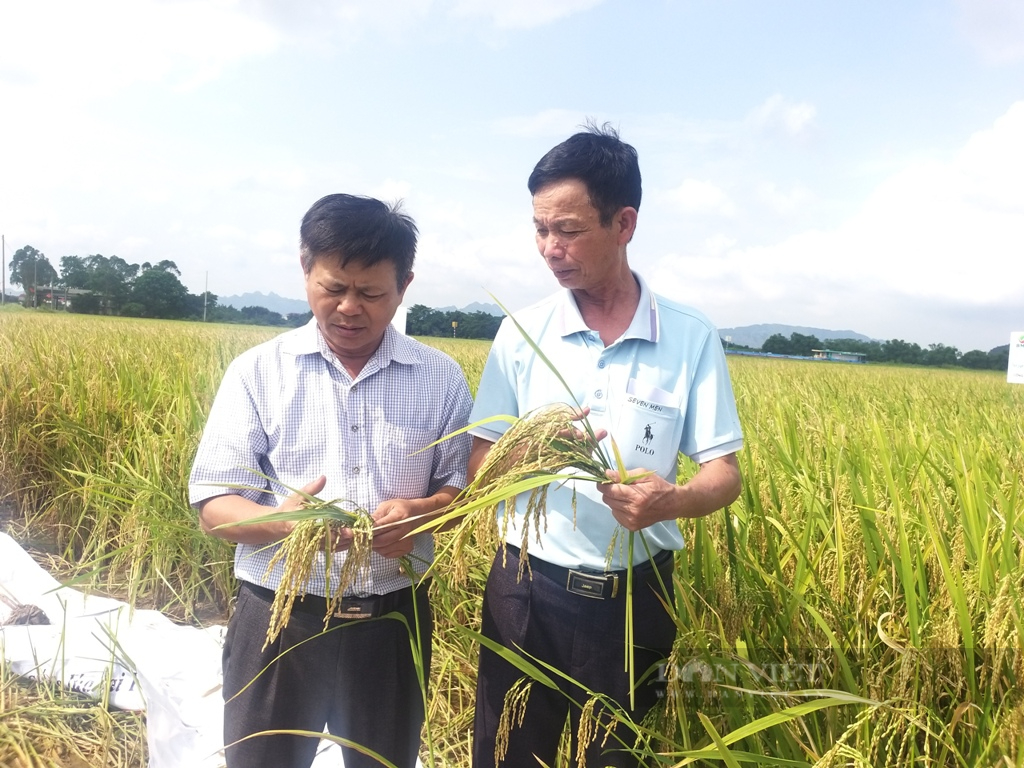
(648, 435)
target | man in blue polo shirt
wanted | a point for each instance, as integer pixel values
(653, 375)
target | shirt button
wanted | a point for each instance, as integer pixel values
(355, 470)
(599, 394)
(355, 427)
(600, 364)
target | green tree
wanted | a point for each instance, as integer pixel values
(999, 358)
(424, 321)
(803, 345)
(900, 351)
(298, 319)
(776, 344)
(112, 279)
(30, 268)
(157, 292)
(975, 359)
(74, 273)
(940, 354)
(261, 316)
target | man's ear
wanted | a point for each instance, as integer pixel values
(401, 292)
(625, 221)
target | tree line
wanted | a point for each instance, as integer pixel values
(102, 285)
(892, 351)
(424, 321)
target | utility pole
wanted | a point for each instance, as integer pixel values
(206, 292)
(35, 282)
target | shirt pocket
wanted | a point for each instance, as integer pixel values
(648, 429)
(404, 462)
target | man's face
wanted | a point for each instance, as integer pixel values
(582, 254)
(353, 304)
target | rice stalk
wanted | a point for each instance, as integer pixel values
(317, 524)
(539, 449)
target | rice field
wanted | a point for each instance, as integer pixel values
(860, 605)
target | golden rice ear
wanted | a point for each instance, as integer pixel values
(299, 550)
(513, 712)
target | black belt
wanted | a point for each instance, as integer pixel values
(351, 608)
(600, 585)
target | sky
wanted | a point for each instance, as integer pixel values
(836, 165)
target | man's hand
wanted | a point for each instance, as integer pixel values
(296, 501)
(579, 414)
(641, 503)
(652, 499)
(394, 540)
(234, 508)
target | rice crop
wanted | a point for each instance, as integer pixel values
(42, 726)
(860, 604)
(317, 525)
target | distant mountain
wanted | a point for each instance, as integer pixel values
(271, 301)
(476, 306)
(755, 335)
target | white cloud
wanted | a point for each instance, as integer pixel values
(778, 115)
(948, 232)
(391, 190)
(783, 202)
(996, 27)
(66, 51)
(716, 245)
(453, 270)
(522, 14)
(702, 198)
(549, 122)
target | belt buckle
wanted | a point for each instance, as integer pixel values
(592, 584)
(354, 608)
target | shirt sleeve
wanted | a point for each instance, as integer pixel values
(233, 443)
(497, 395)
(451, 456)
(711, 428)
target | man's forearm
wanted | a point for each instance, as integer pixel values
(232, 508)
(477, 456)
(717, 483)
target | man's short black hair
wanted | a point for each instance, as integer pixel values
(608, 166)
(362, 229)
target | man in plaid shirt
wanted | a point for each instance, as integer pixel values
(343, 408)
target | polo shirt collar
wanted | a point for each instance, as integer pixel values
(643, 326)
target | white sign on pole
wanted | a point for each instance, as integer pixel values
(1015, 369)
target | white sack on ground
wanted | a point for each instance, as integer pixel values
(142, 657)
(148, 662)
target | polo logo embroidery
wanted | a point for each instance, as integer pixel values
(648, 423)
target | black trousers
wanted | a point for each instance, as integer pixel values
(358, 678)
(581, 636)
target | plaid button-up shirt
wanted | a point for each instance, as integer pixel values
(288, 409)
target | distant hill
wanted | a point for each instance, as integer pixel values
(270, 301)
(755, 335)
(476, 306)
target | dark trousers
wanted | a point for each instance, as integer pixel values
(581, 636)
(358, 678)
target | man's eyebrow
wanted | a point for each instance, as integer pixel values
(566, 218)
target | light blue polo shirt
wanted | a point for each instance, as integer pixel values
(663, 387)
